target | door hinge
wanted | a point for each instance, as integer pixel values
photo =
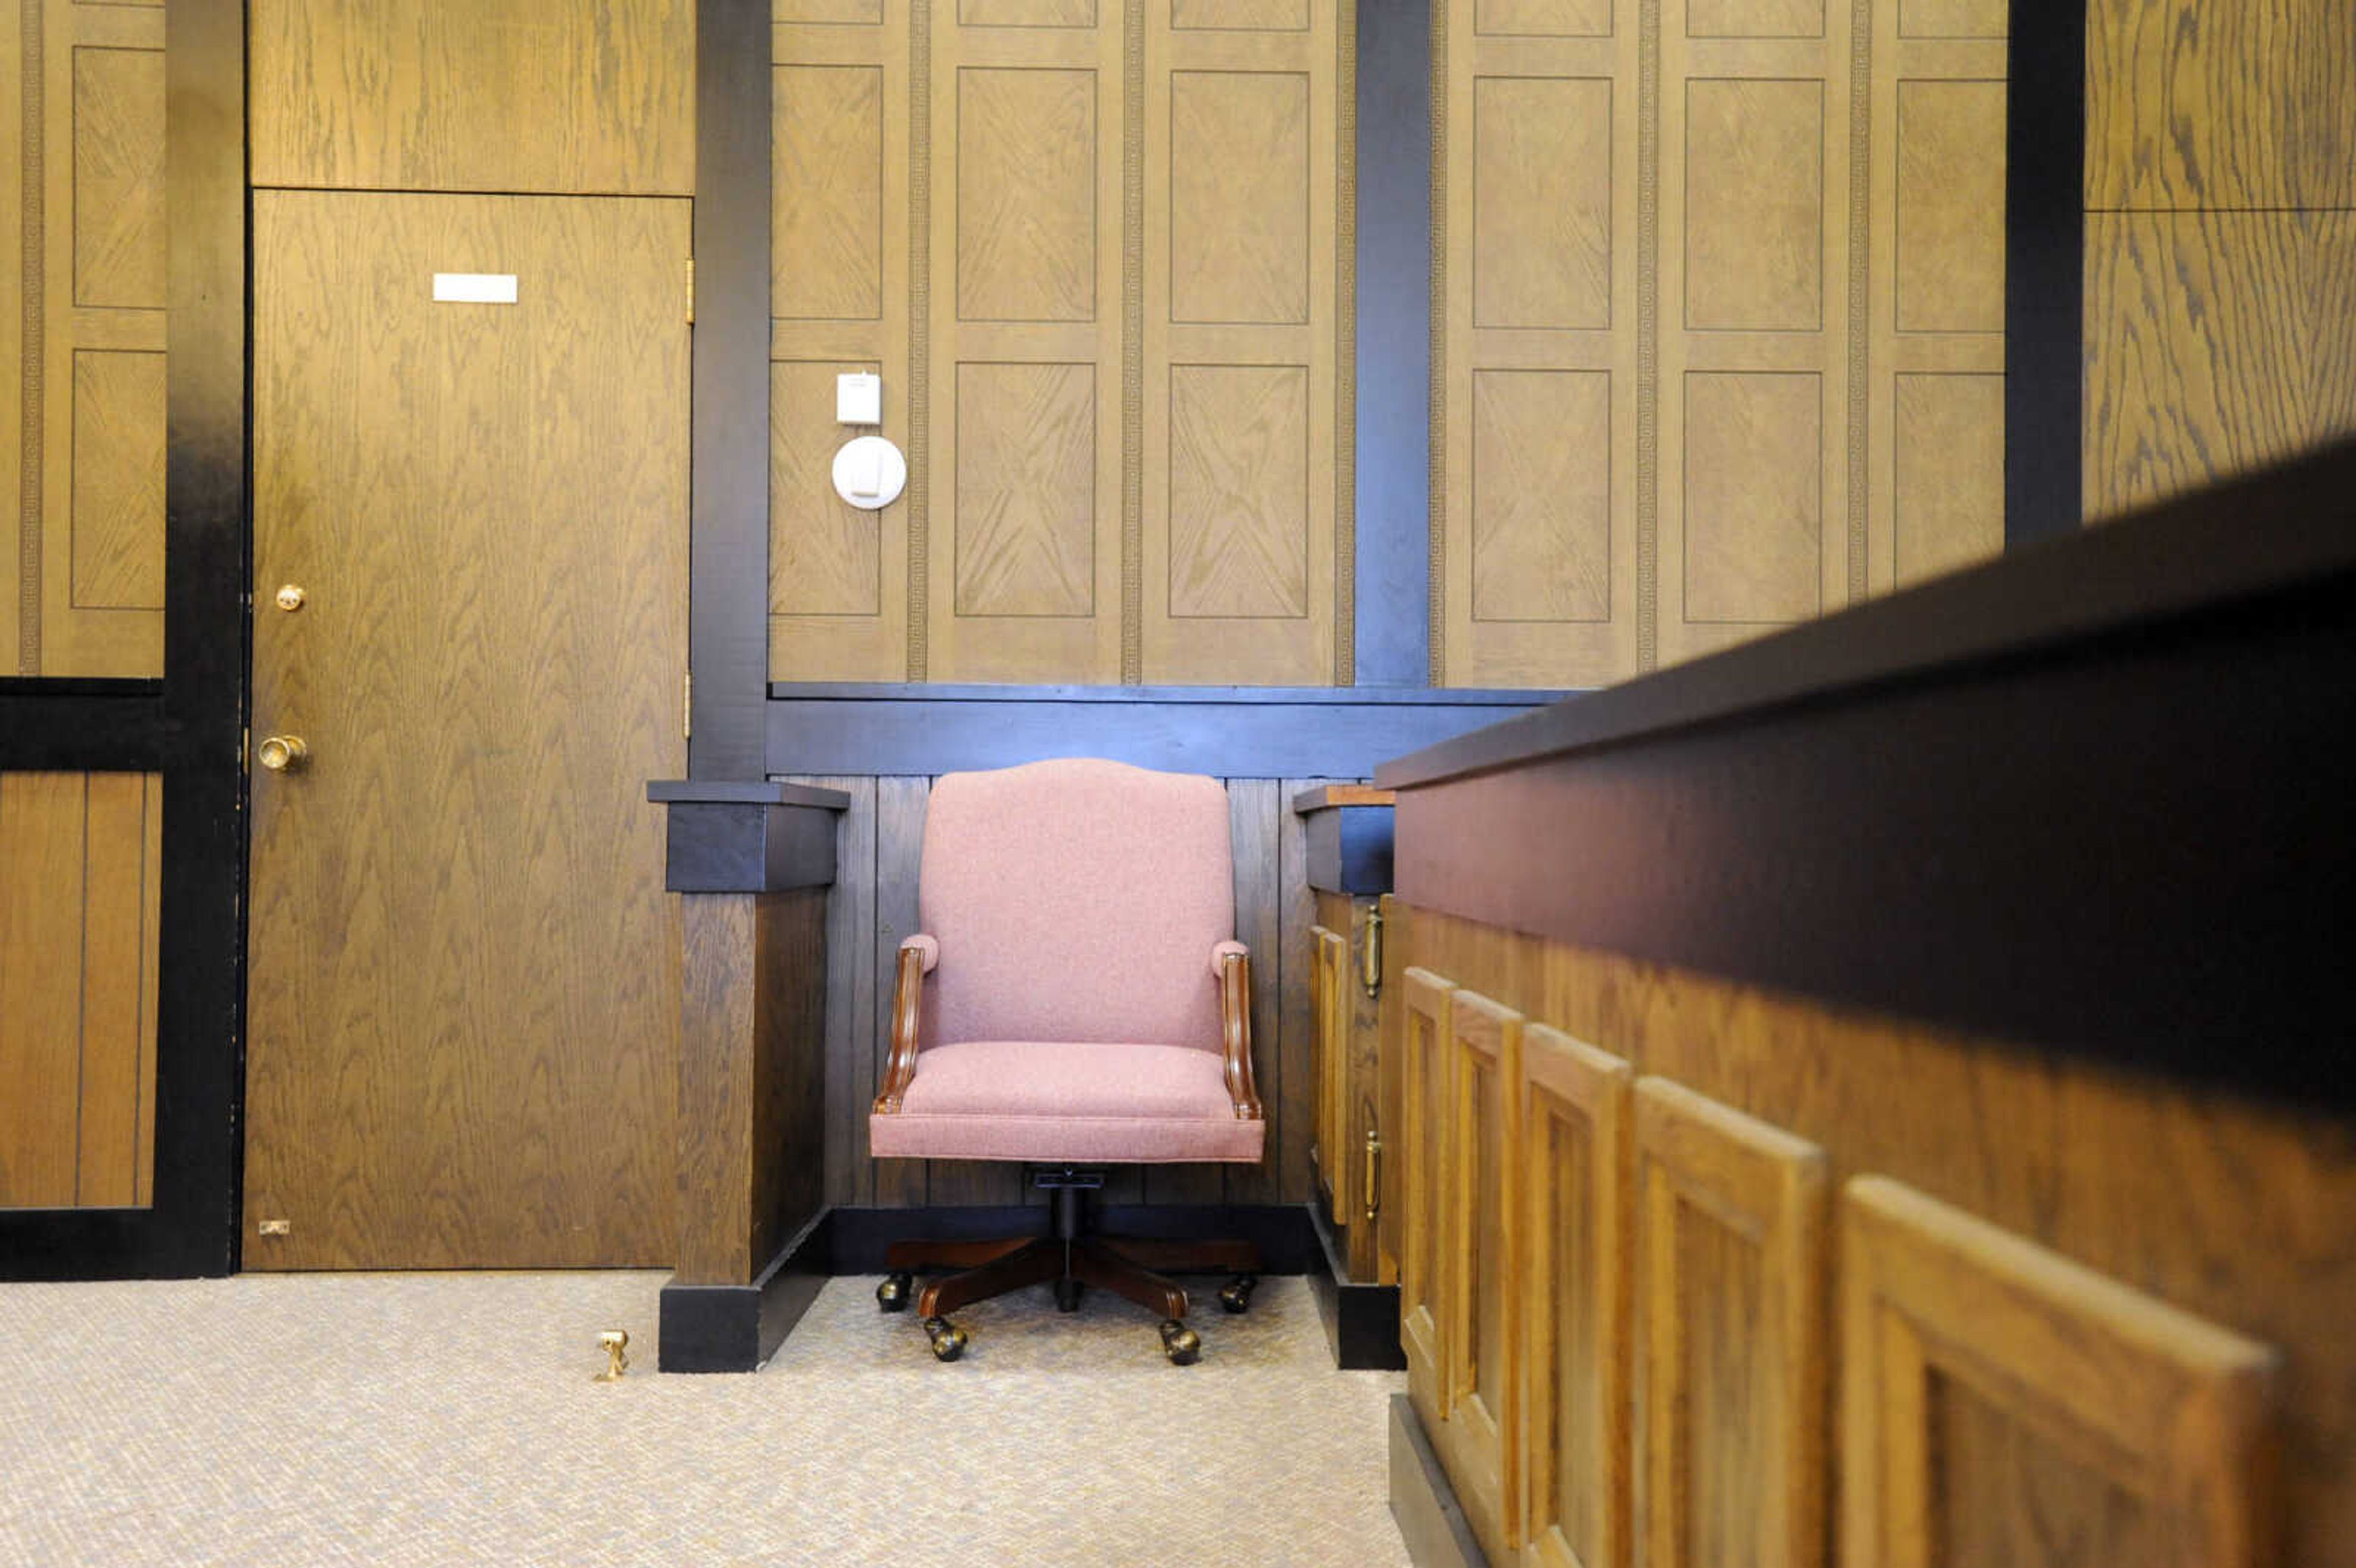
(690, 291)
(687, 707)
(1370, 956)
(245, 749)
(1373, 1169)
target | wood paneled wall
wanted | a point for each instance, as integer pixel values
(1102, 257)
(2221, 239)
(1719, 320)
(81, 878)
(81, 339)
(874, 905)
(2038, 1374)
(514, 96)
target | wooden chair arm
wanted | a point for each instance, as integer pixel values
(1235, 1020)
(908, 993)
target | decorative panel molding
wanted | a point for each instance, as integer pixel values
(2215, 342)
(1329, 1004)
(1537, 343)
(82, 415)
(1759, 343)
(1423, 1127)
(2002, 1403)
(485, 95)
(1021, 311)
(1245, 464)
(1729, 1300)
(80, 879)
(840, 293)
(1934, 454)
(1575, 1226)
(1484, 1284)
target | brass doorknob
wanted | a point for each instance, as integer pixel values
(285, 753)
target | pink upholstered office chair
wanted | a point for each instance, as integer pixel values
(1076, 998)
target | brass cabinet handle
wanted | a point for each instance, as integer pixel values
(283, 753)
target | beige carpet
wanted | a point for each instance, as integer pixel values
(431, 1419)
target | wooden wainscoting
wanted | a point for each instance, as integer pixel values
(80, 879)
(2005, 1405)
(1328, 1000)
(1482, 1290)
(1575, 1192)
(1731, 1343)
(874, 905)
(82, 340)
(2103, 1320)
(1422, 1123)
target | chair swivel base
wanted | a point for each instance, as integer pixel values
(1132, 1268)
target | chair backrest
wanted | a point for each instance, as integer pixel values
(1076, 900)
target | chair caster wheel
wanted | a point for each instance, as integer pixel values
(1237, 1293)
(892, 1295)
(949, 1339)
(1068, 1294)
(1181, 1344)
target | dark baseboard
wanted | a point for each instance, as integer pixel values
(1423, 1504)
(1287, 1242)
(1360, 1320)
(735, 1328)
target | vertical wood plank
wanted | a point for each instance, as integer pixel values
(150, 902)
(15, 450)
(1296, 1023)
(113, 848)
(899, 851)
(41, 868)
(718, 991)
(849, 994)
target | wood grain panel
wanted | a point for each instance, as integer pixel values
(1422, 1127)
(825, 555)
(1754, 497)
(1026, 443)
(2215, 342)
(839, 288)
(19, 273)
(1240, 504)
(1951, 164)
(852, 13)
(1027, 12)
(1026, 234)
(1243, 510)
(1935, 308)
(459, 835)
(1754, 236)
(474, 95)
(1574, 1195)
(2007, 1398)
(2238, 1212)
(1240, 15)
(1330, 1043)
(1485, 1288)
(1949, 505)
(1953, 19)
(827, 228)
(2221, 107)
(1729, 1294)
(1542, 463)
(118, 159)
(1542, 18)
(1755, 18)
(1540, 338)
(116, 546)
(1542, 202)
(79, 884)
(86, 400)
(1240, 197)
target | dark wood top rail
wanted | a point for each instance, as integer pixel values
(2095, 797)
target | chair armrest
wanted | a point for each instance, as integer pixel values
(1235, 1021)
(918, 955)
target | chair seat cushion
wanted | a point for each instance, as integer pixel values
(1066, 1100)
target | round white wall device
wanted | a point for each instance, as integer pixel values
(870, 473)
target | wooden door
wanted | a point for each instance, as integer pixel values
(464, 996)
(1423, 1124)
(1483, 1284)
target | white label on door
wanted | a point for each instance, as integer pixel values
(475, 288)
